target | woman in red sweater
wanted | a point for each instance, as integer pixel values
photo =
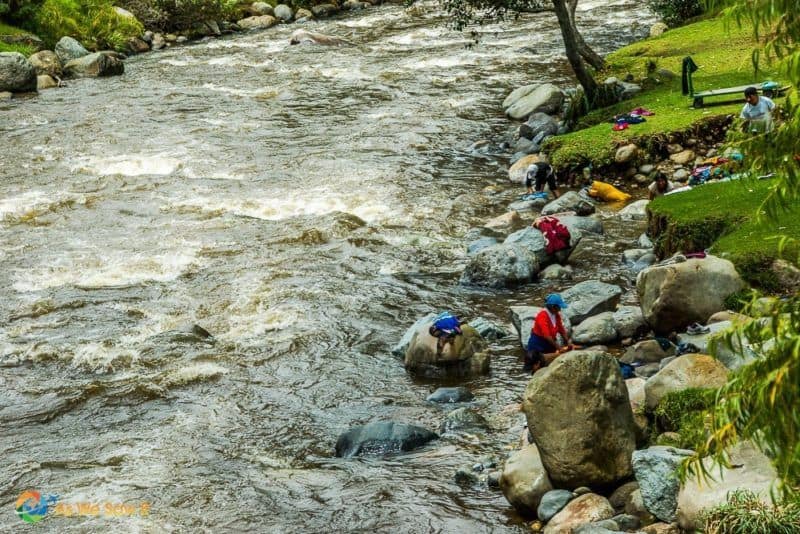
(544, 333)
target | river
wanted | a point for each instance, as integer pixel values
(304, 205)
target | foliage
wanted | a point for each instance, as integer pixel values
(744, 513)
(94, 23)
(186, 14)
(686, 412)
(676, 12)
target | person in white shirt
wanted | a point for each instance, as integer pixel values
(757, 112)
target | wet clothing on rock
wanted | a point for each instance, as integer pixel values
(556, 235)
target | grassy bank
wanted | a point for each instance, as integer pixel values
(722, 217)
(6, 29)
(724, 58)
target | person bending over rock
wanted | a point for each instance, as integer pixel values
(539, 174)
(543, 343)
(445, 328)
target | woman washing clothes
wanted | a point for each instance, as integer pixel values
(547, 326)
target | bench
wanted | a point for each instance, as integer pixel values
(769, 92)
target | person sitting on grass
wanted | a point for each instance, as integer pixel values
(757, 112)
(445, 328)
(543, 343)
(537, 175)
(660, 186)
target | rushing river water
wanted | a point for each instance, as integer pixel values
(304, 205)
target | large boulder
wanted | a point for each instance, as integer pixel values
(68, 49)
(750, 470)
(656, 470)
(678, 294)
(259, 22)
(589, 298)
(380, 438)
(587, 508)
(647, 351)
(546, 98)
(588, 440)
(533, 240)
(464, 356)
(596, 330)
(46, 62)
(703, 341)
(539, 125)
(498, 266)
(95, 65)
(524, 480)
(687, 371)
(17, 75)
(569, 201)
(261, 8)
(629, 321)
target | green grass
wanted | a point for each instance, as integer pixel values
(5, 29)
(724, 58)
(723, 217)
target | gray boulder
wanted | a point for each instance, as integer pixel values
(463, 419)
(283, 12)
(553, 502)
(656, 471)
(381, 438)
(645, 242)
(479, 244)
(569, 201)
(488, 330)
(546, 98)
(557, 272)
(324, 10)
(629, 321)
(47, 62)
(589, 440)
(261, 8)
(528, 205)
(399, 350)
(647, 351)
(450, 395)
(635, 210)
(589, 298)
(99, 64)
(579, 513)
(68, 49)
(533, 240)
(583, 224)
(524, 480)
(595, 330)
(17, 75)
(677, 294)
(537, 124)
(498, 266)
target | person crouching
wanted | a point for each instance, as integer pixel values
(544, 334)
(445, 328)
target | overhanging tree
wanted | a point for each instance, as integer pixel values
(580, 55)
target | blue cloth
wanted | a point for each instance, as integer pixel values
(554, 299)
(446, 322)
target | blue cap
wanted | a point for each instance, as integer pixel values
(554, 299)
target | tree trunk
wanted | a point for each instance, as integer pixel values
(569, 33)
(587, 53)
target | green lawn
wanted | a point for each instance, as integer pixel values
(724, 58)
(5, 29)
(723, 216)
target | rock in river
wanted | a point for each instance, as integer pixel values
(384, 437)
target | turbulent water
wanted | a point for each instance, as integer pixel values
(304, 205)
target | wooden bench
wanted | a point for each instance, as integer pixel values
(769, 93)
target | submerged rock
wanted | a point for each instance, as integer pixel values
(487, 329)
(381, 438)
(463, 419)
(450, 395)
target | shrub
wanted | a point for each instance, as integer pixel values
(686, 412)
(744, 513)
(94, 23)
(186, 14)
(676, 12)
